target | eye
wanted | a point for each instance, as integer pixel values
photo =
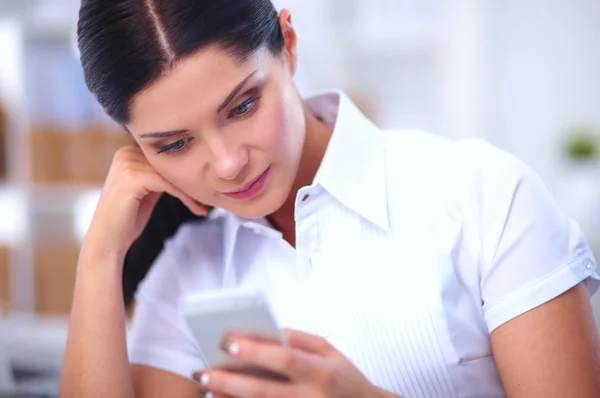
(177, 146)
(245, 110)
(242, 109)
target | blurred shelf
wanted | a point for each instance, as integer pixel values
(33, 186)
(13, 213)
(61, 189)
(45, 197)
(76, 201)
(46, 210)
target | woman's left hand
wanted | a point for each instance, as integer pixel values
(314, 368)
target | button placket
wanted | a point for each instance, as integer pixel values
(307, 241)
(309, 202)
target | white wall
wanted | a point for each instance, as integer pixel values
(544, 76)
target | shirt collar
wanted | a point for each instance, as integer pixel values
(353, 169)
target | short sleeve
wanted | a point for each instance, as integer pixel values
(158, 336)
(531, 252)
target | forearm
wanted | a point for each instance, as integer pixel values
(96, 363)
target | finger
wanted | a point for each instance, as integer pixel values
(149, 202)
(223, 383)
(310, 343)
(129, 153)
(131, 161)
(154, 183)
(272, 357)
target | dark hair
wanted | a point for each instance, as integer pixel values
(126, 45)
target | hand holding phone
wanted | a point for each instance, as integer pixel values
(212, 316)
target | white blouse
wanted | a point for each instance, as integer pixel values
(410, 251)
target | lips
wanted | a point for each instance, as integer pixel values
(249, 185)
(252, 189)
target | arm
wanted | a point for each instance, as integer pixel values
(551, 351)
(536, 271)
(154, 383)
(96, 362)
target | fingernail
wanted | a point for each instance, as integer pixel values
(204, 379)
(232, 347)
(209, 395)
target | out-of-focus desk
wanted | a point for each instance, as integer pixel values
(33, 350)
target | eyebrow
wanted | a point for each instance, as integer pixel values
(230, 97)
(166, 134)
(235, 92)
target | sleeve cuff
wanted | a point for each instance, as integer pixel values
(582, 268)
(170, 361)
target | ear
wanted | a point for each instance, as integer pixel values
(290, 45)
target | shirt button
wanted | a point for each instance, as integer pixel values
(588, 264)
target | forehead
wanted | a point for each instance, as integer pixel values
(194, 88)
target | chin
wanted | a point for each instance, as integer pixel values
(265, 204)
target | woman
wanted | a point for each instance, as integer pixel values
(401, 264)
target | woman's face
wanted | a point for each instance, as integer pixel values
(226, 133)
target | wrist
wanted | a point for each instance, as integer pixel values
(92, 255)
(95, 249)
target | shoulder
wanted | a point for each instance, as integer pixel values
(471, 165)
(439, 153)
(190, 260)
(469, 186)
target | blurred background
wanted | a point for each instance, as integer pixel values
(523, 75)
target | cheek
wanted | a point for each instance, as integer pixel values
(279, 131)
(184, 173)
(267, 131)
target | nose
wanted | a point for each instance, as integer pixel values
(228, 163)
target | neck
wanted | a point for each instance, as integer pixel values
(315, 144)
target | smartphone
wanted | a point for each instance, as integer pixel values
(214, 315)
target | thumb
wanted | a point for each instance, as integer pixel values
(149, 202)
